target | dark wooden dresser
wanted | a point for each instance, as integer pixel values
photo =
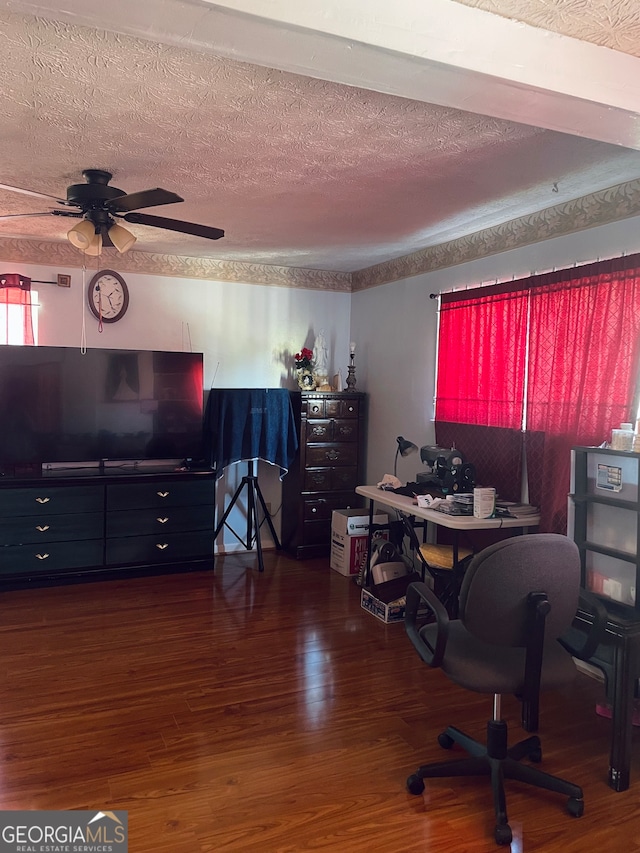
(329, 464)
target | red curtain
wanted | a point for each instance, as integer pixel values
(582, 353)
(584, 346)
(15, 289)
(481, 357)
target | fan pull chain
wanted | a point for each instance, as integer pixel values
(83, 326)
(100, 323)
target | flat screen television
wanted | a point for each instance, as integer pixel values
(62, 405)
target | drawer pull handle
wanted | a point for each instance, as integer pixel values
(162, 545)
(42, 556)
(43, 500)
(42, 527)
(318, 430)
(162, 520)
(315, 509)
(162, 494)
(332, 454)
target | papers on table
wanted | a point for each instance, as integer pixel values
(517, 510)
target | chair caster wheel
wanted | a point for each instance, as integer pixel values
(415, 785)
(575, 807)
(503, 834)
(445, 740)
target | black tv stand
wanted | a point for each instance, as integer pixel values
(101, 520)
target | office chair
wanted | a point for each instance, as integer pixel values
(517, 598)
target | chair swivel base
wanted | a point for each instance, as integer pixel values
(499, 762)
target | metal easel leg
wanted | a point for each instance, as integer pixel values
(254, 497)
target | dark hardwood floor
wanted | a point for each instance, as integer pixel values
(234, 711)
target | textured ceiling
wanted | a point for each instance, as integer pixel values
(613, 23)
(300, 171)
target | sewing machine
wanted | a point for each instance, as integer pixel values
(446, 470)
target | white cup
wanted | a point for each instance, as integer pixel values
(484, 503)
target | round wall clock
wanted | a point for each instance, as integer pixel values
(108, 296)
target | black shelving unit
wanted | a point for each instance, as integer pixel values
(604, 519)
(606, 524)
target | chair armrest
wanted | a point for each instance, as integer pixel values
(595, 634)
(419, 594)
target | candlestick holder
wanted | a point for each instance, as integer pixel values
(351, 373)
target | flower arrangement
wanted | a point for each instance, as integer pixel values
(303, 358)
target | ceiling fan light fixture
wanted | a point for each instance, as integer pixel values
(94, 249)
(82, 235)
(122, 239)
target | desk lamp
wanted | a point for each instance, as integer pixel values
(405, 448)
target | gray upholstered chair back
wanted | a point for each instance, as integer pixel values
(493, 596)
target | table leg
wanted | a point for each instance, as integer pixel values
(625, 668)
(367, 573)
(456, 574)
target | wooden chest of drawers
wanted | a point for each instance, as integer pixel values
(329, 465)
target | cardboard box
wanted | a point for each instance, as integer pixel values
(347, 553)
(355, 522)
(348, 550)
(391, 612)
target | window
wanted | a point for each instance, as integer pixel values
(18, 323)
(481, 357)
(556, 355)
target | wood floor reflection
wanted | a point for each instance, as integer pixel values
(234, 711)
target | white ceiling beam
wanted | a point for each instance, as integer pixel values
(439, 52)
(446, 53)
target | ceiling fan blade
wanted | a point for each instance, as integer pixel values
(75, 213)
(18, 215)
(145, 198)
(32, 193)
(78, 214)
(175, 225)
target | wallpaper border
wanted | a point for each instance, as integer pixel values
(599, 208)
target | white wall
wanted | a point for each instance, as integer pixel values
(248, 334)
(394, 327)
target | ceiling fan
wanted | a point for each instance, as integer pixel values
(98, 205)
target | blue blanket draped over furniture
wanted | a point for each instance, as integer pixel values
(247, 424)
